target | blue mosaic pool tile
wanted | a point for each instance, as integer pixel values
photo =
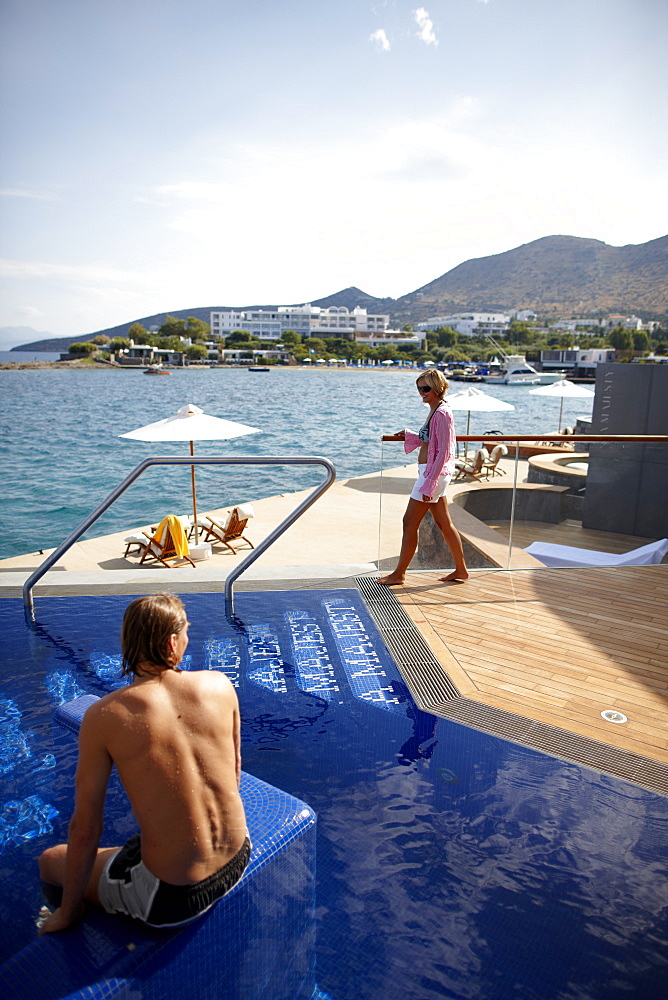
(366, 674)
(62, 686)
(267, 668)
(108, 667)
(223, 655)
(313, 664)
(14, 742)
(71, 714)
(25, 819)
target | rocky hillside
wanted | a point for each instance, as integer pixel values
(556, 276)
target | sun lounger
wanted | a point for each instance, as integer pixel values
(552, 554)
(231, 529)
(490, 465)
(140, 538)
(168, 541)
(474, 469)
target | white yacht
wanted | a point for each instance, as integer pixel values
(516, 370)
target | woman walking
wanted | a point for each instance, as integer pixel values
(436, 463)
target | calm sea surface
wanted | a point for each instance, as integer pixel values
(62, 454)
(21, 357)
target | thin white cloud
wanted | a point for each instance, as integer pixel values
(18, 269)
(21, 193)
(426, 26)
(381, 40)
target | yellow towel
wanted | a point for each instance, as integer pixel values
(179, 540)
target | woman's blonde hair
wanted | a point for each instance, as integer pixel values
(147, 626)
(436, 379)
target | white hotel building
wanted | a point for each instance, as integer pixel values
(308, 320)
(470, 323)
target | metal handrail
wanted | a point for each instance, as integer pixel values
(50, 560)
(646, 438)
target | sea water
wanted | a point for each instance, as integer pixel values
(62, 454)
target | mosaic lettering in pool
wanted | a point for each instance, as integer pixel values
(450, 863)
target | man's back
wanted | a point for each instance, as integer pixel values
(175, 740)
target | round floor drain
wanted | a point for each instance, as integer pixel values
(611, 716)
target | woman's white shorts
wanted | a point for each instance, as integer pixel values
(441, 484)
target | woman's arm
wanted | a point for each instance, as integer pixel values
(411, 441)
(442, 445)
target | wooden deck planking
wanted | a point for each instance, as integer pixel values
(558, 646)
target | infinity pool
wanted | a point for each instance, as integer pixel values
(450, 863)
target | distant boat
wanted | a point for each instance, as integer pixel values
(258, 368)
(516, 370)
(156, 370)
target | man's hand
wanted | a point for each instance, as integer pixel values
(60, 921)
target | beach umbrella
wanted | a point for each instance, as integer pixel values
(191, 424)
(475, 399)
(388, 362)
(565, 390)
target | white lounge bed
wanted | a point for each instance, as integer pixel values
(552, 554)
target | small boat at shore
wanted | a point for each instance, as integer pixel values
(258, 368)
(156, 370)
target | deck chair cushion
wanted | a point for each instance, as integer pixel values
(245, 511)
(552, 554)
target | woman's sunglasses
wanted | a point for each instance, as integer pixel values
(424, 388)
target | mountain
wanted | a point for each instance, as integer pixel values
(12, 336)
(557, 276)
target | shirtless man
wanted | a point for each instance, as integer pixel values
(174, 737)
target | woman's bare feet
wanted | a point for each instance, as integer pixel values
(455, 577)
(393, 580)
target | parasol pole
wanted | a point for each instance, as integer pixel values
(561, 409)
(192, 477)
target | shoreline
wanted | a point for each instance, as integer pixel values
(102, 366)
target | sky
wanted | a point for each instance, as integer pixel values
(168, 154)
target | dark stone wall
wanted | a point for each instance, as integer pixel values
(627, 484)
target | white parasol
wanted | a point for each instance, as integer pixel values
(191, 424)
(475, 399)
(564, 389)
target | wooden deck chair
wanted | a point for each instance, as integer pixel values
(490, 465)
(140, 537)
(168, 542)
(473, 469)
(232, 529)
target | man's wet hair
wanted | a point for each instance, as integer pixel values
(147, 626)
